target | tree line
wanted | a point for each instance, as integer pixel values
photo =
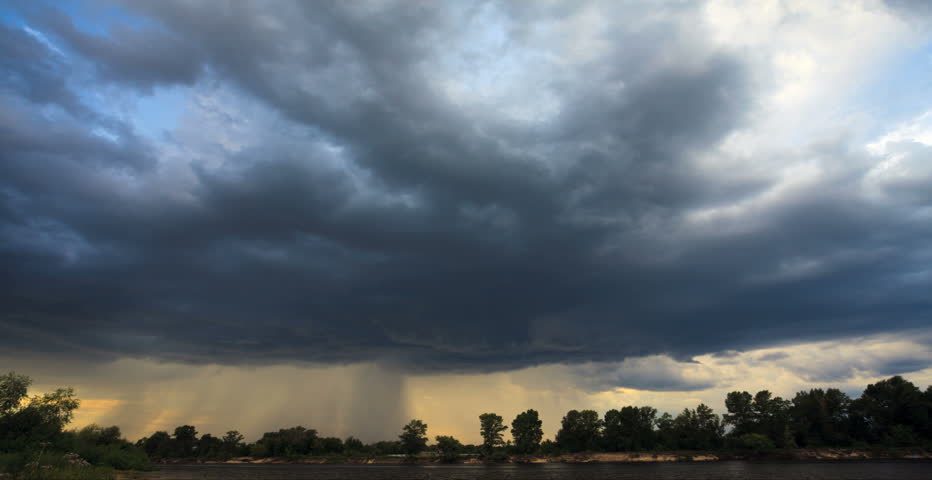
(892, 413)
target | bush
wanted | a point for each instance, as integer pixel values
(752, 441)
(496, 457)
(14, 462)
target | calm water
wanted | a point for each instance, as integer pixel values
(899, 470)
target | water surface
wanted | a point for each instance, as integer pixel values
(847, 470)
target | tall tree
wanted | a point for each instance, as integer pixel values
(527, 432)
(413, 437)
(772, 418)
(491, 429)
(740, 413)
(185, 439)
(158, 445)
(13, 389)
(820, 418)
(629, 429)
(699, 429)
(894, 411)
(580, 431)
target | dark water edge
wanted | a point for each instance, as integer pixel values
(724, 470)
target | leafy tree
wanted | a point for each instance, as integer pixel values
(821, 418)
(232, 443)
(353, 445)
(629, 429)
(527, 432)
(97, 435)
(772, 418)
(330, 445)
(184, 441)
(491, 428)
(666, 432)
(24, 424)
(286, 442)
(413, 437)
(890, 403)
(157, 445)
(448, 447)
(209, 446)
(699, 429)
(752, 441)
(580, 431)
(740, 413)
(13, 389)
(387, 448)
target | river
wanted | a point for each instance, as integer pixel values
(726, 470)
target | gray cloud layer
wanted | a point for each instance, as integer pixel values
(379, 218)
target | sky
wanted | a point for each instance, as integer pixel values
(343, 215)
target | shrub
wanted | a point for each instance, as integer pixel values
(752, 441)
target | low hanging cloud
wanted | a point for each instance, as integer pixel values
(453, 187)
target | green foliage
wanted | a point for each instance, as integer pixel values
(158, 445)
(821, 418)
(763, 414)
(580, 431)
(387, 448)
(890, 407)
(699, 429)
(448, 447)
(184, 441)
(13, 390)
(66, 473)
(353, 445)
(527, 432)
(549, 447)
(105, 446)
(287, 442)
(751, 441)
(629, 429)
(329, 446)
(25, 424)
(491, 429)
(413, 437)
(740, 413)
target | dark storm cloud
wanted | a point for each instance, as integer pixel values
(141, 56)
(399, 225)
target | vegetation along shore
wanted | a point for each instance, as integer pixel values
(892, 419)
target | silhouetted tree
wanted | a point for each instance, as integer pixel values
(772, 416)
(491, 428)
(209, 446)
(740, 413)
(286, 442)
(580, 431)
(413, 437)
(699, 429)
(353, 445)
(526, 431)
(893, 411)
(820, 418)
(184, 440)
(158, 445)
(233, 443)
(628, 429)
(330, 446)
(40, 419)
(13, 389)
(448, 447)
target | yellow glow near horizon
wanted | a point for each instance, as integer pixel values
(373, 402)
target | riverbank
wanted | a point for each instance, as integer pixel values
(807, 454)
